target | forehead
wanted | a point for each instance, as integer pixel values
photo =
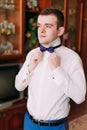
(47, 19)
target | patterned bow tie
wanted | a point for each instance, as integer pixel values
(50, 49)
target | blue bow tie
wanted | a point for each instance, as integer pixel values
(50, 49)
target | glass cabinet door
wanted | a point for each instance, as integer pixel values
(72, 10)
(11, 29)
(74, 24)
(71, 23)
(58, 4)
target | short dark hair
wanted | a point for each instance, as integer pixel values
(59, 15)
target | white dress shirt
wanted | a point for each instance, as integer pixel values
(49, 91)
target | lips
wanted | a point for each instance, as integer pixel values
(42, 36)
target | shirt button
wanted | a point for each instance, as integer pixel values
(53, 77)
(26, 73)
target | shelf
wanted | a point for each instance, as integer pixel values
(9, 56)
(33, 11)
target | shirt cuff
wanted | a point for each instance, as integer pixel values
(27, 77)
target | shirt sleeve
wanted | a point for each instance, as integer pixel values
(72, 82)
(23, 77)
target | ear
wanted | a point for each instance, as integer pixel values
(60, 31)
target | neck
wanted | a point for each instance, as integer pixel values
(53, 43)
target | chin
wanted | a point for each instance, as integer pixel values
(42, 40)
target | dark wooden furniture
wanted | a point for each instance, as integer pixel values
(12, 118)
(84, 37)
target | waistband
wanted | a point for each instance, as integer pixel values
(48, 122)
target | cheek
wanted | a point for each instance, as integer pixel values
(38, 31)
(53, 34)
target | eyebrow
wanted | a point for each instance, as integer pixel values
(46, 24)
(49, 24)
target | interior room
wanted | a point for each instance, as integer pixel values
(18, 36)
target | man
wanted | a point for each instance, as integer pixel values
(53, 75)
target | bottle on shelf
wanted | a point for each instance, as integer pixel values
(7, 28)
(7, 4)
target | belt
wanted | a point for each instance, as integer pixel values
(49, 122)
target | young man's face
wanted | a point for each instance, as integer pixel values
(47, 29)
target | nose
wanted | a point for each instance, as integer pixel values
(42, 29)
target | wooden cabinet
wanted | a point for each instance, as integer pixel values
(84, 38)
(12, 118)
(11, 29)
(73, 10)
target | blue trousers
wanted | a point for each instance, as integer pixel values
(29, 125)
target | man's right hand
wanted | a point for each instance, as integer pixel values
(35, 59)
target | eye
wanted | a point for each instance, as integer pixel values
(38, 25)
(48, 26)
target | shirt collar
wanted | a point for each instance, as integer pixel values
(55, 42)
